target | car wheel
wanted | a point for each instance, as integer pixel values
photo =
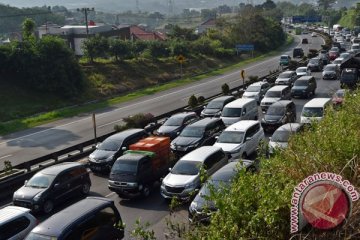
(48, 206)
(145, 191)
(85, 189)
(244, 156)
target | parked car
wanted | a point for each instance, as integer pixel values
(298, 52)
(355, 47)
(256, 90)
(197, 134)
(304, 87)
(215, 106)
(15, 222)
(345, 56)
(315, 64)
(284, 60)
(240, 109)
(52, 186)
(331, 71)
(94, 218)
(175, 124)
(105, 154)
(304, 41)
(286, 78)
(314, 110)
(303, 71)
(183, 181)
(241, 139)
(201, 207)
(275, 94)
(338, 61)
(324, 56)
(279, 113)
(338, 97)
(280, 138)
(349, 78)
(333, 54)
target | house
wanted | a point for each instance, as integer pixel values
(138, 33)
(203, 27)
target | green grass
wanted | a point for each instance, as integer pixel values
(43, 118)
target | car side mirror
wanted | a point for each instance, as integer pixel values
(204, 107)
(26, 181)
(243, 113)
(216, 137)
(248, 138)
(123, 149)
(56, 185)
(177, 133)
(170, 169)
(98, 145)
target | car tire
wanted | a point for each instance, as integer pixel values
(85, 188)
(244, 156)
(145, 192)
(48, 206)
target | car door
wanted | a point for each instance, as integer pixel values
(62, 187)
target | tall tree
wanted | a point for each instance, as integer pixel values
(28, 29)
(325, 4)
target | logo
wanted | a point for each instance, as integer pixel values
(323, 200)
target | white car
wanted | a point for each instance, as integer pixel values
(241, 139)
(313, 34)
(16, 222)
(355, 47)
(338, 61)
(303, 71)
(280, 138)
(345, 56)
(256, 90)
(286, 78)
(314, 110)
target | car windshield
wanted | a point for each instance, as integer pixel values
(284, 58)
(36, 236)
(215, 105)
(314, 61)
(124, 166)
(184, 167)
(330, 68)
(277, 111)
(253, 89)
(340, 94)
(280, 136)
(109, 145)
(337, 62)
(40, 181)
(231, 137)
(174, 121)
(299, 70)
(190, 131)
(285, 75)
(231, 112)
(301, 83)
(312, 112)
(334, 49)
(273, 94)
(333, 52)
(355, 47)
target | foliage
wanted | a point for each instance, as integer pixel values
(193, 101)
(225, 89)
(120, 49)
(158, 49)
(179, 48)
(140, 233)
(201, 99)
(253, 78)
(8, 166)
(28, 29)
(96, 46)
(139, 120)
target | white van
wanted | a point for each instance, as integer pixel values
(274, 94)
(240, 109)
(314, 109)
(241, 139)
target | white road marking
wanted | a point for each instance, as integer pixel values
(5, 156)
(110, 194)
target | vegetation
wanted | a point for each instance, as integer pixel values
(351, 17)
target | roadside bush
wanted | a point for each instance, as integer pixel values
(201, 99)
(224, 53)
(192, 102)
(139, 120)
(225, 89)
(293, 65)
(253, 78)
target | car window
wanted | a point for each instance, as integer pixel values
(14, 227)
(64, 177)
(77, 172)
(211, 161)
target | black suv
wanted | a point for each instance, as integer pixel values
(349, 77)
(102, 159)
(200, 133)
(215, 106)
(304, 86)
(53, 185)
(298, 52)
(279, 113)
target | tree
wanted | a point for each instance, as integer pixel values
(96, 46)
(121, 49)
(325, 4)
(138, 47)
(28, 29)
(158, 49)
(182, 33)
(269, 4)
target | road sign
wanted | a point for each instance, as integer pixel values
(244, 47)
(180, 59)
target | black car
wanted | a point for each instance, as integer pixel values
(200, 133)
(102, 159)
(349, 78)
(175, 124)
(53, 185)
(201, 207)
(315, 64)
(298, 52)
(215, 106)
(305, 86)
(94, 218)
(279, 113)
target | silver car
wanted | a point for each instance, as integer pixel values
(256, 90)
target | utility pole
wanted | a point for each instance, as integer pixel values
(85, 11)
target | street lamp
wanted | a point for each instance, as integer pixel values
(85, 11)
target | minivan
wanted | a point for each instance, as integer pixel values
(275, 94)
(15, 222)
(177, 122)
(197, 134)
(286, 78)
(279, 113)
(94, 218)
(314, 109)
(241, 139)
(240, 109)
(108, 151)
(183, 180)
(304, 87)
(53, 185)
(215, 106)
(256, 90)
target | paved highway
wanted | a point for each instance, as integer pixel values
(29, 144)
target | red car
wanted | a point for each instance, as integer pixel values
(338, 97)
(333, 55)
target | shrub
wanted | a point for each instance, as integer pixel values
(193, 102)
(139, 120)
(225, 89)
(293, 65)
(201, 99)
(253, 78)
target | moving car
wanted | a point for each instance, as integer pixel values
(183, 181)
(298, 52)
(303, 71)
(275, 94)
(315, 64)
(286, 78)
(241, 139)
(284, 60)
(175, 124)
(102, 159)
(338, 61)
(197, 134)
(338, 97)
(331, 71)
(345, 56)
(314, 110)
(280, 138)
(52, 186)
(279, 113)
(16, 222)
(256, 90)
(324, 56)
(304, 87)
(94, 218)
(215, 106)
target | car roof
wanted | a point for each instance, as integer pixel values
(317, 102)
(201, 153)
(10, 212)
(288, 72)
(124, 134)
(222, 98)
(226, 173)
(307, 78)
(183, 114)
(331, 65)
(204, 122)
(284, 55)
(241, 125)
(58, 168)
(55, 225)
(277, 88)
(240, 101)
(290, 127)
(281, 103)
(301, 68)
(258, 83)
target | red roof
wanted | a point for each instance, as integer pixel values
(141, 34)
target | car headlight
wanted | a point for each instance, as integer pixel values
(37, 197)
(218, 114)
(236, 150)
(132, 184)
(190, 186)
